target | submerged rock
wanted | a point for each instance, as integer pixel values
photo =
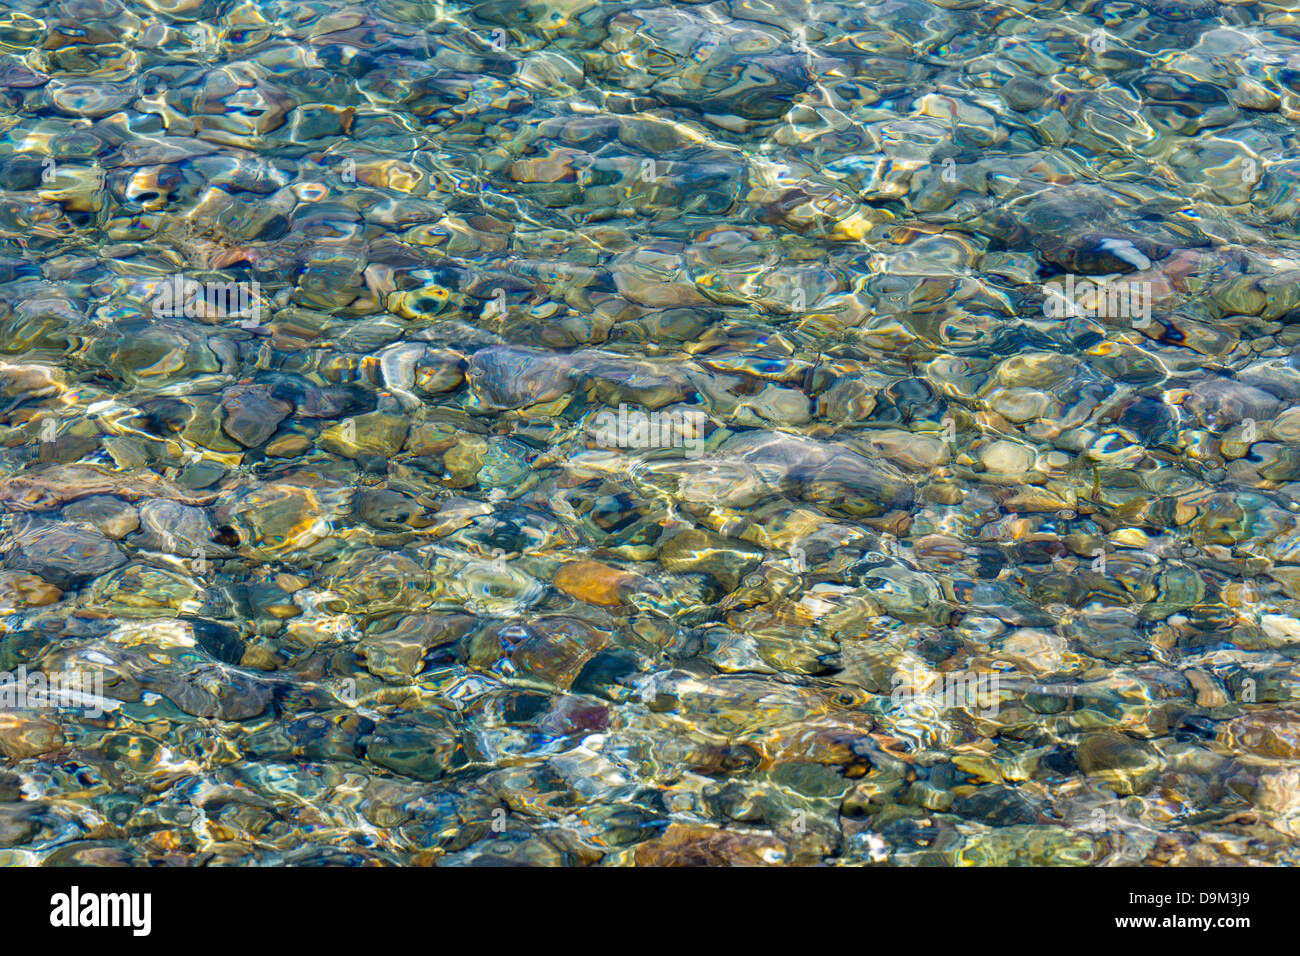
(64, 554)
(750, 433)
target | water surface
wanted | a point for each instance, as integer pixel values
(604, 433)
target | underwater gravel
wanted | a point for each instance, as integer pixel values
(627, 433)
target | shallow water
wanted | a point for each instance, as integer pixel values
(608, 433)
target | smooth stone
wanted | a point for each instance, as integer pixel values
(373, 434)
(22, 737)
(203, 474)
(691, 844)
(1274, 733)
(397, 652)
(724, 558)
(176, 528)
(596, 583)
(252, 415)
(62, 553)
(1126, 765)
(22, 589)
(288, 446)
(111, 516)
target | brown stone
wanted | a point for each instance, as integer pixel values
(1274, 733)
(21, 589)
(22, 737)
(691, 845)
(596, 583)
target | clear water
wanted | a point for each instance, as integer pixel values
(591, 433)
